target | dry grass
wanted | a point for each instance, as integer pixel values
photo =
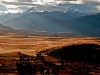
(32, 44)
(9, 47)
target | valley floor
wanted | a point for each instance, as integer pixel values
(30, 46)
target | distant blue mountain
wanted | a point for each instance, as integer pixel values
(69, 21)
(8, 16)
(46, 21)
(87, 25)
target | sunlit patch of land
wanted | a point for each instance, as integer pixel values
(30, 45)
(10, 46)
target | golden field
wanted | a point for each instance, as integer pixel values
(32, 44)
(10, 46)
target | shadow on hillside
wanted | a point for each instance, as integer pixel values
(80, 52)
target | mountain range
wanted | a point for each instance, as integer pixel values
(87, 25)
(70, 21)
(8, 16)
(41, 20)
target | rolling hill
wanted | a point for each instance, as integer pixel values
(5, 29)
(78, 52)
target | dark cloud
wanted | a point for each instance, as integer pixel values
(24, 0)
(51, 8)
(85, 6)
(81, 7)
(91, 2)
(19, 3)
(67, 0)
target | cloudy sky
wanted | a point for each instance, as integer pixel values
(15, 6)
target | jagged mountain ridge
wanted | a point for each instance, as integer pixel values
(69, 21)
(38, 19)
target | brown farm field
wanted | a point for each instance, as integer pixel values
(10, 46)
(30, 45)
